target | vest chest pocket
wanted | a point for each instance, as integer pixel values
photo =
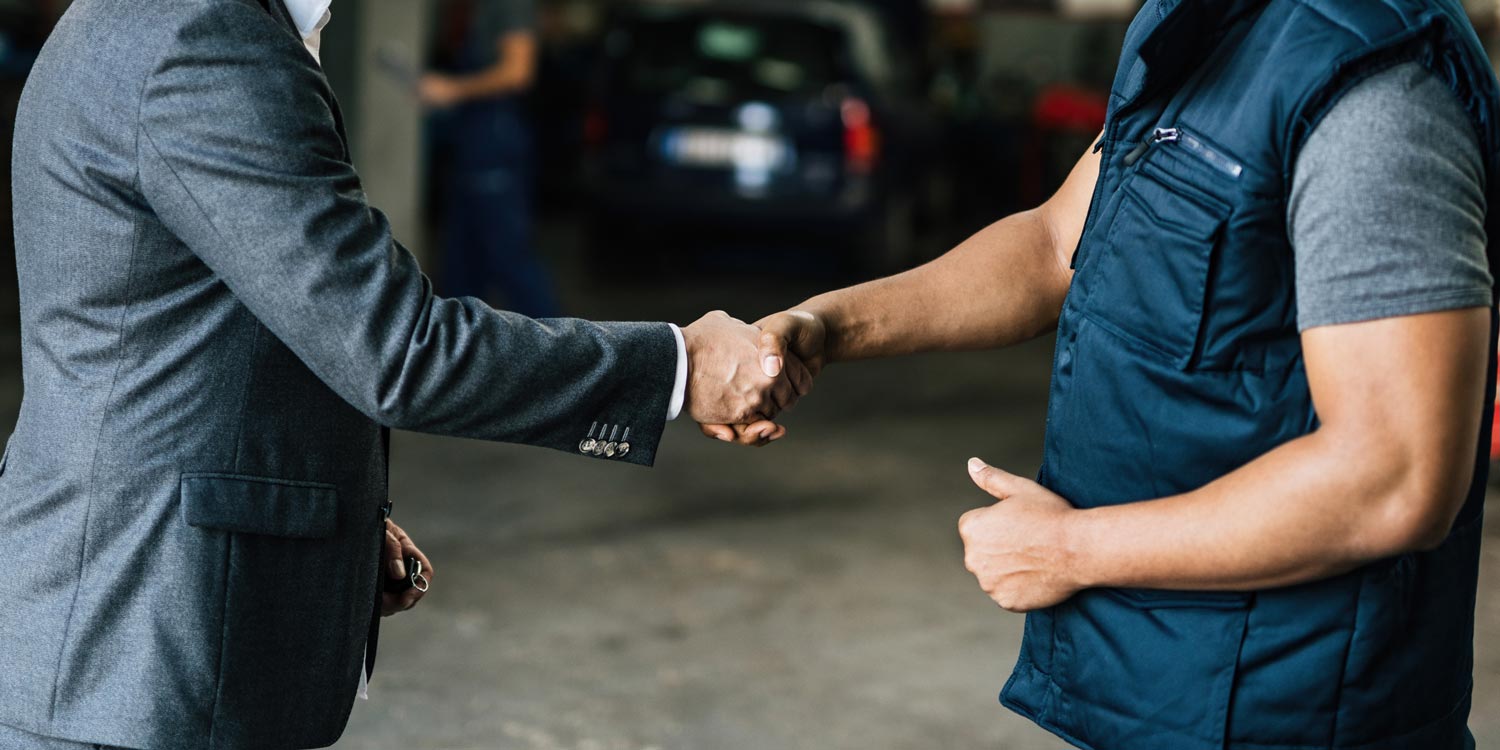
(1151, 280)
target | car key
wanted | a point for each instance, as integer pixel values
(414, 579)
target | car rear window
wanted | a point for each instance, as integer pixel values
(726, 58)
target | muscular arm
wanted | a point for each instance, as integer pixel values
(1386, 472)
(1004, 285)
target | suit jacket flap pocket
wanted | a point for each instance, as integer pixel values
(256, 505)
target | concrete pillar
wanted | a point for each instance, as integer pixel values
(384, 121)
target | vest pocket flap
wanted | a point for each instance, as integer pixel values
(1151, 282)
(1178, 211)
(1164, 599)
(256, 505)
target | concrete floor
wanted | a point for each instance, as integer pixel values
(808, 596)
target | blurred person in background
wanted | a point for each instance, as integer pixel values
(1258, 519)
(483, 61)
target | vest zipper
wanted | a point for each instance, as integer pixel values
(1170, 135)
(1186, 140)
(1109, 132)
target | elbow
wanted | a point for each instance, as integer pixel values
(1417, 519)
(1397, 497)
(383, 410)
(387, 402)
(1417, 532)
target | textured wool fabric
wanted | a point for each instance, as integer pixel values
(217, 332)
(1387, 208)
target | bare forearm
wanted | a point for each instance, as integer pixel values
(1308, 510)
(497, 81)
(1002, 286)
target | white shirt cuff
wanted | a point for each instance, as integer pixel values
(679, 387)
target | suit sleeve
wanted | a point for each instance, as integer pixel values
(241, 158)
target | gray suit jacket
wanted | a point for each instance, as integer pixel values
(216, 329)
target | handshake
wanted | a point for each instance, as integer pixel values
(741, 377)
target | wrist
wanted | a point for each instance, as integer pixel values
(1076, 532)
(825, 316)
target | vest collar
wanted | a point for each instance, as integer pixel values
(1169, 38)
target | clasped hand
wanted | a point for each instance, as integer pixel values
(731, 381)
(742, 377)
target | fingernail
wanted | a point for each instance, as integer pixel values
(726, 438)
(398, 569)
(976, 466)
(772, 366)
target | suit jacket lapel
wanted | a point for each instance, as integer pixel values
(278, 11)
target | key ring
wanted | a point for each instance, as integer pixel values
(415, 578)
(414, 574)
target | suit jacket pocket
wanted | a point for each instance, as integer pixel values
(254, 505)
(295, 609)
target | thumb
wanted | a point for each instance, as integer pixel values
(999, 483)
(773, 345)
(795, 329)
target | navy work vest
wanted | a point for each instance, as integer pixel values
(1178, 361)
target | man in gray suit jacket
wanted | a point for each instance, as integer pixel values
(217, 331)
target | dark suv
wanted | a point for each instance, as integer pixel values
(792, 119)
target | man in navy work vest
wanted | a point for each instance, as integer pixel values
(1257, 523)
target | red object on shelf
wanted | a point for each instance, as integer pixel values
(1063, 107)
(1059, 110)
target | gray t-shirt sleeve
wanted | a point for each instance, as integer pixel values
(1386, 216)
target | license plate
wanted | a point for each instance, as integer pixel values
(712, 147)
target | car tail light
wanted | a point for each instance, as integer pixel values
(861, 137)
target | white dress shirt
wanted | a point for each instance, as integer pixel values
(310, 16)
